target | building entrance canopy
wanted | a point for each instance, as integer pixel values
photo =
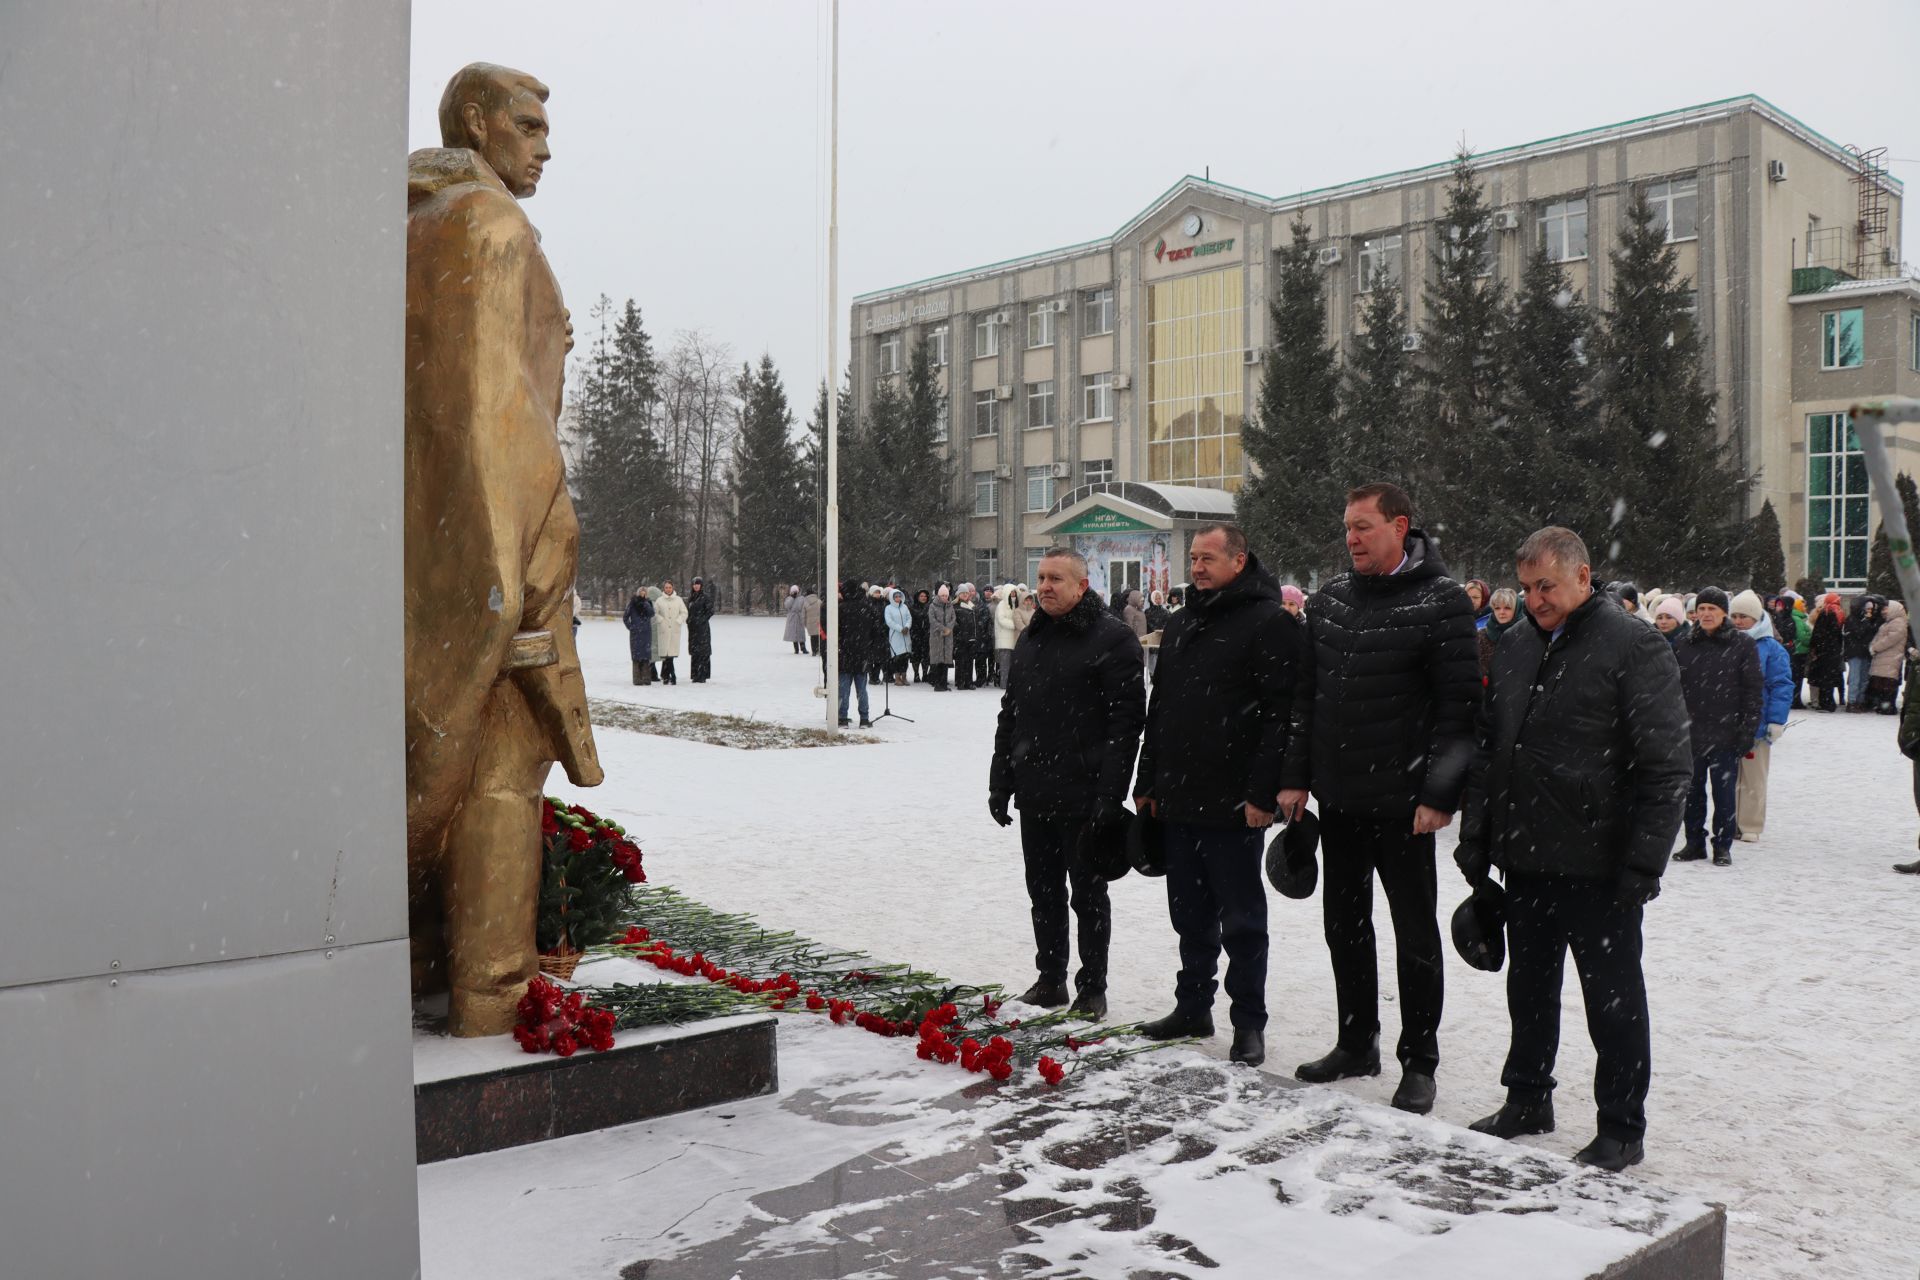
(1122, 507)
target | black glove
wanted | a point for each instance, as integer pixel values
(1473, 862)
(997, 806)
(1636, 888)
(1110, 813)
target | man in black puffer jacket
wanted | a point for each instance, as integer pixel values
(1063, 752)
(1210, 768)
(1382, 737)
(1720, 672)
(1575, 793)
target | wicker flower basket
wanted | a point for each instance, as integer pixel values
(559, 964)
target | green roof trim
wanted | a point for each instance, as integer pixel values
(1280, 202)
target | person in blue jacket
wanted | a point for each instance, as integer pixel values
(1749, 614)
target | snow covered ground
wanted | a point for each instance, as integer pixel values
(1782, 989)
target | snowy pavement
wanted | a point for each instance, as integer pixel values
(1782, 988)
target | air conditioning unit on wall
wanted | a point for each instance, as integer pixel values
(1003, 392)
(1330, 255)
(1058, 306)
(1409, 342)
(1004, 471)
(1059, 471)
(1122, 381)
(1254, 356)
(1506, 220)
(1002, 317)
(1776, 171)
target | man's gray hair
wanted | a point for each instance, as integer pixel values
(1067, 553)
(1556, 544)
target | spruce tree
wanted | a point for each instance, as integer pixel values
(772, 542)
(1678, 488)
(1374, 410)
(628, 503)
(1548, 412)
(932, 517)
(1290, 503)
(1766, 562)
(1465, 469)
(1881, 580)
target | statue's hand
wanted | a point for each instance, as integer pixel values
(585, 773)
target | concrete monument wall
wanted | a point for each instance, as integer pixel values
(204, 1029)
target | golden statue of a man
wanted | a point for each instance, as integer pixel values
(494, 694)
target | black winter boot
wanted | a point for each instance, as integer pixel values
(1249, 1046)
(1047, 993)
(1341, 1064)
(1516, 1118)
(1089, 1005)
(1179, 1025)
(1415, 1093)
(1610, 1153)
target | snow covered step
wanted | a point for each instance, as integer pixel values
(484, 1094)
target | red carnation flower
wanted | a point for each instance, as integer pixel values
(816, 1001)
(564, 1044)
(578, 840)
(1050, 1071)
(1000, 1070)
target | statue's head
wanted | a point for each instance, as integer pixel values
(499, 113)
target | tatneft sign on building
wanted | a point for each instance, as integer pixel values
(1132, 360)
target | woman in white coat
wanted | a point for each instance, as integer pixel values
(796, 632)
(1006, 631)
(669, 620)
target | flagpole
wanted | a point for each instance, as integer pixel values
(831, 588)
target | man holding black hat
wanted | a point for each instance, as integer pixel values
(1062, 751)
(1382, 737)
(1209, 769)
(1577, 788)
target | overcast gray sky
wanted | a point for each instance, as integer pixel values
(689, 139)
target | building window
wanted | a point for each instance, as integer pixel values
(1676, 206)
(1196, 379)
(942, 420)
(986, 335)
(1039, 488)
(1379, 260)
(1096, 312)
(1034, 556)
(1563, 230)
(1837, 519)
(986, 566)
(1096, 471)
(937, 347)
(887, 353)
(1842, 335)
(983, 494)
(1040, 325)
(1096, 396)
(1913, 351)
(1040, 403)
(986, 413)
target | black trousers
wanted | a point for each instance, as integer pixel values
(666, 672)
(1217, 898)
(702, 667)
(1353, 847)
(1547, 916)
(1798, 663)
(1056, 877)
(962, 668)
